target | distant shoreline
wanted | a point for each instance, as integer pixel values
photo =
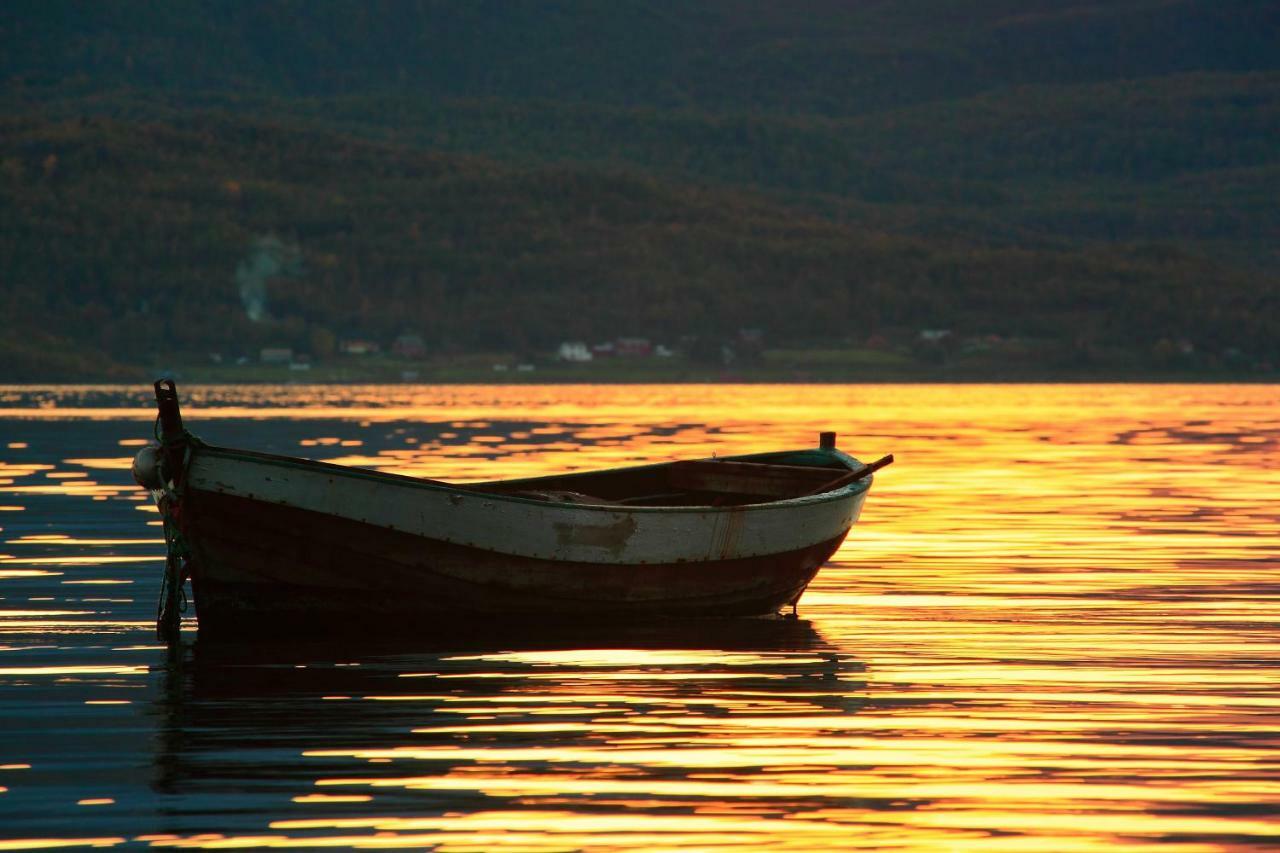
(684, 377)
(791, 366)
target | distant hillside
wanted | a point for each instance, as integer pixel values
(136, 239)
(1187, 158)
(1100, 175)
(828, 57)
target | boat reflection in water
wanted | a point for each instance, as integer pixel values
(573, 728)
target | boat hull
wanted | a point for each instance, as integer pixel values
(265, 568)
(518, 526)
(280, 545)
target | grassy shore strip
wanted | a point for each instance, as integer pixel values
(777, 366)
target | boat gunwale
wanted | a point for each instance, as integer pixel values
(843, 493)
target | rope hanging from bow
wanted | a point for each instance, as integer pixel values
(177, 560)
(176, 446)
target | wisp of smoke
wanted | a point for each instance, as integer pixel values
(268, 257)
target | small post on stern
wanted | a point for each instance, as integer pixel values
(827, 440)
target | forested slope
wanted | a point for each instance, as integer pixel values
(506, 176)
(129, 236)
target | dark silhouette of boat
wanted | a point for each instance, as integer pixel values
(279, 544)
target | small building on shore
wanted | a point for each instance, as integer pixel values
(409, 346)
(574, 351)
(634, 347)
(359, 346)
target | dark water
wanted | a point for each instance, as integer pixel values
(1056, 627)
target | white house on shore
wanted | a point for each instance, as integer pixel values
(574, 351)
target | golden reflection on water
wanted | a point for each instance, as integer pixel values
(1055, 628)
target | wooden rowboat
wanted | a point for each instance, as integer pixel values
(278, 544)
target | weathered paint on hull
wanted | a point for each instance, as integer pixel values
(263, 568)
(523, 527)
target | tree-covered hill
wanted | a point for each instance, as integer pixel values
(130, 238)
(829, 57)
(507, 175)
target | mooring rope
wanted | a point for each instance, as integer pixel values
(177, 563)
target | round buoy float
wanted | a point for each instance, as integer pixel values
(146, 468)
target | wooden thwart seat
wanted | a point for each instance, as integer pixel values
(748, 478)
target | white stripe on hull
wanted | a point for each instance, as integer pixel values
(527, 528)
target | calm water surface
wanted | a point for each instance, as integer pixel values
(1055, 628)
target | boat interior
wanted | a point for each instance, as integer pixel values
(735, 481)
